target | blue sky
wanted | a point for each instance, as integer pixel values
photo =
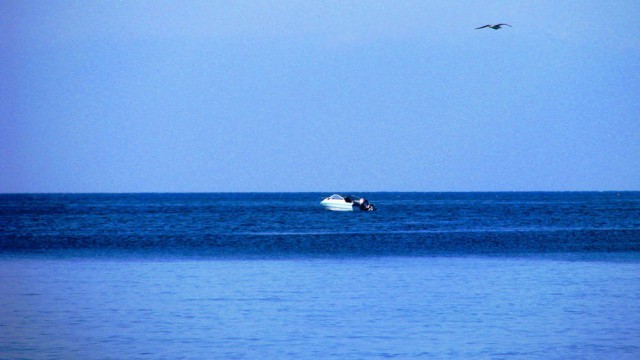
(207, 96)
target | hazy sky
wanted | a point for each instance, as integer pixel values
(191, 96)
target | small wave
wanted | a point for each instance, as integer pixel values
(434, 231)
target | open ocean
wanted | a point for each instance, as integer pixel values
(273, 276)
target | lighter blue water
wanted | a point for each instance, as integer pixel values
(437, 276)
(320, 308)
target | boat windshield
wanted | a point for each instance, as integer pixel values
(336, 197)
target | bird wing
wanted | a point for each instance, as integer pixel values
(505, 24)
(483, 26)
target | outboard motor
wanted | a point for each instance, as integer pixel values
(365, 206)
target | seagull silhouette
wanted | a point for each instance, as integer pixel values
(494, 27)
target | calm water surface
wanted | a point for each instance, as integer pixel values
(497, 275)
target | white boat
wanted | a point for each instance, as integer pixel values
(336, 202)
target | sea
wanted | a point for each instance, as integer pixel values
(499, 275)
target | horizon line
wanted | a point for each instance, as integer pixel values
(315, 191)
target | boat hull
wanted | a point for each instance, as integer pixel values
(334, 205)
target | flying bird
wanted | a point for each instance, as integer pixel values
(494, 27)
